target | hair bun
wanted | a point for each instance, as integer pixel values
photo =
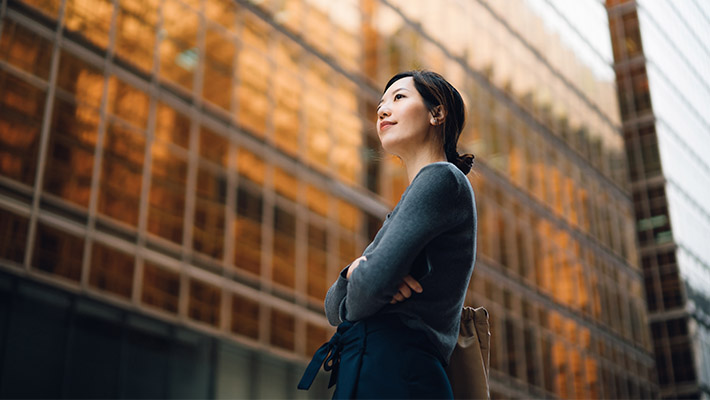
(464, 162)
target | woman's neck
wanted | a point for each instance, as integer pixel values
(415, 162)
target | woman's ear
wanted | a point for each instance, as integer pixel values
(438, 115)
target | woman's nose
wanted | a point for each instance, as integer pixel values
(383, 112)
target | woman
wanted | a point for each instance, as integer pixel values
(398, 306)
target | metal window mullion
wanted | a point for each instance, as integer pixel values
(44, 138)
(147, 162)
(98, 154)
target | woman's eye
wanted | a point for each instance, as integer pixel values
(398, 96)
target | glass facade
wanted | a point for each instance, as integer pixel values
(661, 67)
(193, 174)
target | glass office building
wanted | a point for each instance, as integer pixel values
(661, 59)
(182, 180)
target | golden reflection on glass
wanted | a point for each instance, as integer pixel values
(560, 366)
(127, 102)
(251, 166)
(253, 98)
(213, 146)
(121, 173)
(90, 18)
(25, 49)
(347, 133)
(245, 316)
(347, 250)
(167, 192)
(318, 29)
(111, 270)
(209, 220)
(317, 286)
(346, 35)
(70, 156)
(247, 231)
(317, 114)
(349, 216)
(161, 288)
(219, 65)
(289, 13)
(21, 112)
(179, 56)
(283, 329)
(284, 249)
(204, 302)
(315, 337)
(82, 80)
(317, 200)
(58, 252)
(592, 378)
(136, 31)
(288, 97)
(254, 76)
(223, 12)
(48, 7)
(172, 126)
(13, 236)
(286, 184)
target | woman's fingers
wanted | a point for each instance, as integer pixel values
(412, 283)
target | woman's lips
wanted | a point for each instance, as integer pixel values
(385, 124)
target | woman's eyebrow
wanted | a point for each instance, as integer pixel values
(393, 92)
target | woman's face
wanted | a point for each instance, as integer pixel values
(403, 121)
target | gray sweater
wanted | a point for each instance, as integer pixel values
(430, 234)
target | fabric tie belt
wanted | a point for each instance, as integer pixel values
(328, 355)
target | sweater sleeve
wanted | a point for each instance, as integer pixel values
(335, 298)
(429, 208)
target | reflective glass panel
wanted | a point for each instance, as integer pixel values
(25, 49)
(111, 270)
(204, 303)
(58, 252)
(284, 251)
(245, 316)
(161, 288)
(21, 112)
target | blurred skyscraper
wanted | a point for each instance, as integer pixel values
(181, 181)
(662, 63)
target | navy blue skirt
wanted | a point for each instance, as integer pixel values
(380, 358)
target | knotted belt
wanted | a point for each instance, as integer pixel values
(328, 355)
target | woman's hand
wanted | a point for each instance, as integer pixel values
(405, 289)
(354, 265)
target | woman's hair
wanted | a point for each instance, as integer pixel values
(436, 91)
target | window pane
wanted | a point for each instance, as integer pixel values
(161, 288)
(251, 166)
(127, 102)
(172, 126)
(245, 316)
(288, 96)
(252, 92)
(247, 231)
(284, 252)
(204, 302)
(315, 337)
(167, 193)
(111, 270)
(178, 51)
(70, 156)
(209, 219)
(58, 252)
(91, 19)
(285, 184)
(121, 173)
(317, 262)
(25, 49)
(13, 236)
(219, 64)
(317, 115)
(317, 200)
(21, 109)
(214, 147)
(135, 32)
(82, 80)
(282, 330)
(223, 12)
